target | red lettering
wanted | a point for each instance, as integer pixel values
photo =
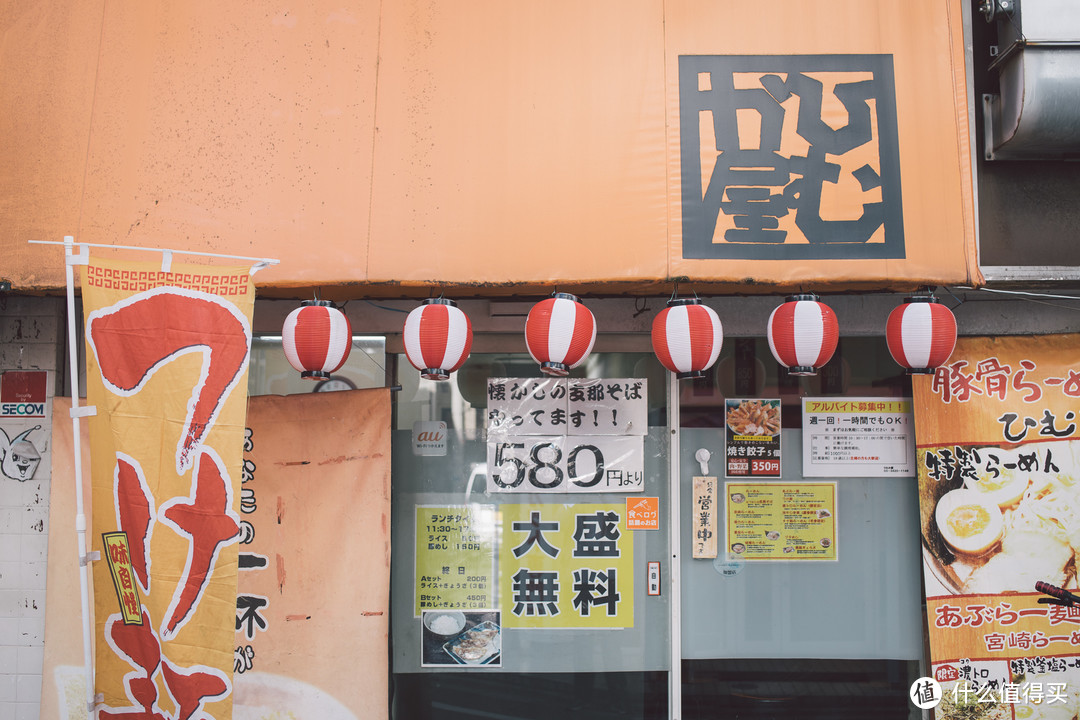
(133, 500)
(136, 337)
(209, 522)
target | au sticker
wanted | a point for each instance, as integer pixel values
(429, 438)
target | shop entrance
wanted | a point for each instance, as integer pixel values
(830, 634)
(811, 607)
(520, 585)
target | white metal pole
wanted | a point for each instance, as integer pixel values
(80, 514)
(674, 532)
(166, 253)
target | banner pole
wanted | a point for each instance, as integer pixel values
(70, 260)
(166, 253)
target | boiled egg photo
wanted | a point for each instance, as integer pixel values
(969, 522)
(1004, 486)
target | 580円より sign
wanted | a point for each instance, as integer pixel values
(565, 464)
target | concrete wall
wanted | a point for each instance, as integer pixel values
(31, 333)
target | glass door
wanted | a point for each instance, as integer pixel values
(531, 559)
(810, 606)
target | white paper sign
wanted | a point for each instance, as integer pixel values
(568, 406)
(565, 464)
(858, 437)
(567, 435)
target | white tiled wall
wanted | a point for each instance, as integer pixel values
(30, 329)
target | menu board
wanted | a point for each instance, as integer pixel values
(858, 437)
(455, 557)
(781, 521)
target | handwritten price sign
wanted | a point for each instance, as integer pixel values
(564, 464)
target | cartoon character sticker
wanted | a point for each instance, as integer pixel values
(19, 458)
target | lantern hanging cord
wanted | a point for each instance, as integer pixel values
(368, 356)
(386, 307)
(959, 301)
(674, 291)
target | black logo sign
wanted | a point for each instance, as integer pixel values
(788, 157)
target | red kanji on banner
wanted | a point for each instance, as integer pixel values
(131, 342)
(134, 513)
(207, 519)
(189, 688)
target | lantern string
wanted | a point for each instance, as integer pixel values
(357, 346)
(959, 301)
(644, 306)
(386, 307)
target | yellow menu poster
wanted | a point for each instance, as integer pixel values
(455, 557)
(781, 521)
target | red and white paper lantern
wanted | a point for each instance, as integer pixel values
(316, 339)
(560, 333)
(438, 338)
(803, 334)
(687, 337)
(921, 334)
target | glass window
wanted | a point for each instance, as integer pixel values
(795, 639)
(269, 371)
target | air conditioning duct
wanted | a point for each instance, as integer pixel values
(1036, 113)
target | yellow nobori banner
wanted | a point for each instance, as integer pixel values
(167, 356)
